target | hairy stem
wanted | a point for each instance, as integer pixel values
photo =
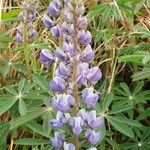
(75, 88)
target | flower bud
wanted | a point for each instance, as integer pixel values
(46, 57)
(92, 136)
(82, 23)
(63, 102)
(47, 22)
(92, 148)
(94, 75)
(58, 140)
(32, 33)
(90, 97)
(80, 10)
(84, 38)
(58, 84)
(19, 37)
(87, 55)
(53, 9)
(56, 32)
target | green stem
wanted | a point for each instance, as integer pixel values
(25, 48)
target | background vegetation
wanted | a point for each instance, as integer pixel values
(121, 41)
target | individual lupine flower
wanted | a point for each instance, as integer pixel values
(69, 146)
(58, 84)
(63, 102)
(93, 121)
(87, 55)
(90, 97)
(32, 33)
(60, 54)
(62, 71)
(92, 136)
(24, 16)
(46, 57)
(56, 32)
(58, 122)
(66, 118)
(92, 148)
(84, 37)
(82, 23)
(53, 9)
(82, 73)
(77, 124)
(48, 22)
(94, 75)
(58, 140)
(69, 49)
(19, 37)
(82, 113)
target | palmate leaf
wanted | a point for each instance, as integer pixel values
(26, 118)
(31, 141)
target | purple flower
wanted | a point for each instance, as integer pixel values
(87, 55)
(90, 97)
(58, 140)
(60, 54)
(82, 73)
(92, 136)
(47, 22)
(19, 37)
(69, 49)
(56, 31)
(46, 57)
(84, 38)
(58, 84)
(63, 102)
(82, 23)
(82, 113)
(69, 146)
(62, 71)
(53, 9)
(58, 122)
(23, 16)
(77, 124)
(94, 75)
(32, 33)
(94, 122)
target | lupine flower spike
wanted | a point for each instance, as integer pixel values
(74, 70)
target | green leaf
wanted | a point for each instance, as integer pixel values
(120, 109)
(41, 82)
(6, 102)
(35, 127)
(121, 127)
(10, 14)
(26, 118)
(125, 87)
(21, 85)
(125, 121)
(107, 101)
(22, 107)
(144, 114)
(113, 143)
(131, 58)
(30, 141)
(141, 75)
(11, 90)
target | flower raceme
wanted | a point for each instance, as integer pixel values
(73, 56)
